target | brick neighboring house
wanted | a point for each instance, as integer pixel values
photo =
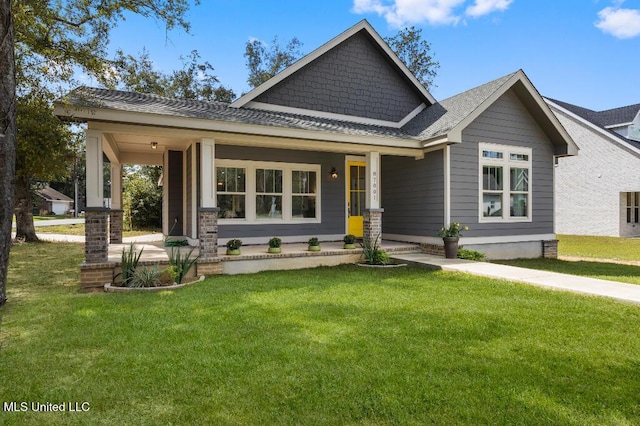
(598, 191)
(346, 140)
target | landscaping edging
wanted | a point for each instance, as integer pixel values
(108, 288)
(394, 265)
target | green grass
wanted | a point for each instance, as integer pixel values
(342, 345)
(599, 247)
(602, 270)
(78, 229)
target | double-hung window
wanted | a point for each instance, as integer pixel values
(259, 192)
(505, 183)
(633, 207)
(231, 188)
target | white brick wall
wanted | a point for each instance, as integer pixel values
(588, 186)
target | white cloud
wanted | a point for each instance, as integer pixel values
(620, 23)
(399, 13)
(485, 7)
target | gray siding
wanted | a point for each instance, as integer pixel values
(413, 195)
(176, 200)
(354, 78)
(506, 122)
(332, 193)
(189, 195)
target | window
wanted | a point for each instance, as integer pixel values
(262, 192)
(633, 207)
(231, 182)
(268, 194)
(497, 163)
(303, 194)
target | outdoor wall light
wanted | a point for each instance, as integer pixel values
(154, 145)
(334, 173)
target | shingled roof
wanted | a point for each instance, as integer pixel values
(51, 194)
(602, 119)
(91, 97)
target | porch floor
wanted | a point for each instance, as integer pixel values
(154, 251)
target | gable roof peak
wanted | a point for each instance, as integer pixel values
(363, 25)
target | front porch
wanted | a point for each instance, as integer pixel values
(254, 258)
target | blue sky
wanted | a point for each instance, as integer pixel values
(585, 52)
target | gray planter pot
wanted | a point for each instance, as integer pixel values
(450, 247)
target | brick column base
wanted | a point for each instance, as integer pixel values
(373, 224)
(208, 230)
(550, 249)
(96, 244)
(93, 276)
(115, 226)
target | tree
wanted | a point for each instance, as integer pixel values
(7, 138)
(264, 63)
(42, 154)
(194, 81)
(42, 45)
(142, 198)
(415, 53)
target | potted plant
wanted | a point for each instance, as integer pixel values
(233, 247)
(451, 235)
(349, 241)
(275, 244)
(314, 244)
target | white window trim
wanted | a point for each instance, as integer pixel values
(506, 164)
(287, 195)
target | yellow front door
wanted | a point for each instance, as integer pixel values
(356, 192)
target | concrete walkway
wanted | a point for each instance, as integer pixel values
(53, 222)
(554, 280)
(63, 238)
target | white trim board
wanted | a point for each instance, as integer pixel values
(470, 240)
(334, 116)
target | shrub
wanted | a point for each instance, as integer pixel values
(470, 255)
(314, 241)
(349, 239)
(453, 230)
(275, 242)
(234, 244)
(373, 254)
(146, 276)
(129, 263)
(181, 264)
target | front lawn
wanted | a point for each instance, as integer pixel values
(341, 345)
(601, 270)
(599, 247)
(78, 229)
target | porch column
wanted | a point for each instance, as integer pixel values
(373, 211)
(96, 243)
(208, 212)
(116, 213)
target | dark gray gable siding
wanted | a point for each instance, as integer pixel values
(413, 195)
(354, 79)
(332, 193)
(505, 122)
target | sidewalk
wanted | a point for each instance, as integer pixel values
(62, 238)
(585, 285)
(53, 222)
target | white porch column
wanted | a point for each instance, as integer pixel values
(208, 213)
(94, 183)
(208, 173)
(373, 180)
(95, 230)
(116, 212)
(373, 211)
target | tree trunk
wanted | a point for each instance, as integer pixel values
(23, 209)
(7, 138)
